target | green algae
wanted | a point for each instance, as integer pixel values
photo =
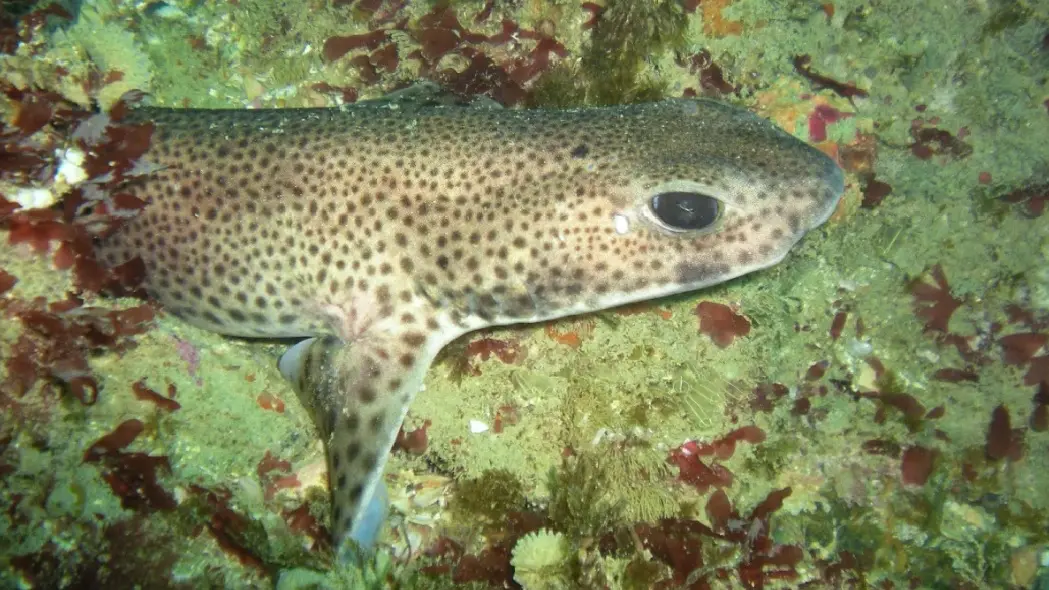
(490, 497)
(612, 68)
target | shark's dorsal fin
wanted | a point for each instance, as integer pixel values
(358, 393)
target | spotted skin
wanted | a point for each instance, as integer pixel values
(389, 230)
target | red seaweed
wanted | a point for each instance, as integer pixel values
(275, 475)
(817, 370)
(883, 447)
(711, 78)
(874, 192)
(822, 116)
(1037, 371)
(595, 11)
(413, 442)
(933, 302)
(1039, 420)
(301, 521)
(931, 141)
(693, 471)
(917, 465)
(484, 13)
(143, 392)
(227, 526)
(131, 476)
(336, 47)
(725, 446)
(507, 351)
(506, 415)
(1019, 349)
(766, 395)
(1033, 198)
(838, 324)
(951, 375)
(803, 66)
(268, 401)
(1003, 442)
(679, 544)
(7, 281)
(501, 75)
(57, 342)
(721, 323)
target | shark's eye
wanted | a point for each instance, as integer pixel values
(685, 211)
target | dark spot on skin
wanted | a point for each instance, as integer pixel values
(369, 462)
(375, 423)
(414, 339)
(355, 493)
(352, 451)
(580, 151)
(367, 394)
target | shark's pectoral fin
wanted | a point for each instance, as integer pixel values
(358, 393)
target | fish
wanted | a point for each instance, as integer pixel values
(382, 231)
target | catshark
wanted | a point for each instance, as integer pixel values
(383, 231)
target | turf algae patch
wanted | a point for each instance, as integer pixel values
(612, 69)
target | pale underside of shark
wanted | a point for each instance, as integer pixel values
(388, 229)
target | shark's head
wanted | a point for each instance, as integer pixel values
(654, 200)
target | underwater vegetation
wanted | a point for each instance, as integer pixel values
(874, 412)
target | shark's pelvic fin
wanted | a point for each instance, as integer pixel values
(358, 394)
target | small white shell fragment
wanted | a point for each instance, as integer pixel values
(477, 427)
(71, 166)
(622, 223)
(601, 432)
(33, 198)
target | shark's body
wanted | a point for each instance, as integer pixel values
(389, 230)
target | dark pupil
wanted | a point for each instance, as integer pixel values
(685, 210)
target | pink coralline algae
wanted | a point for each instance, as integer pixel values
(189, 354)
